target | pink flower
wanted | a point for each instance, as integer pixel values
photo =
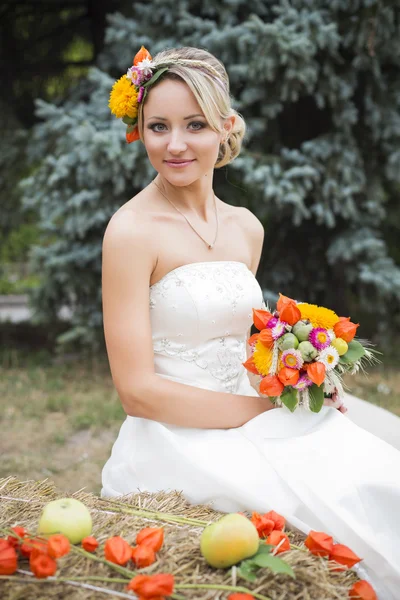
(292, 359)
(319, 337)
(279, 329)
(140, 94)
(272, 322)
(303, 382)
(135, 75)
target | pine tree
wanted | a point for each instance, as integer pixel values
(318, 83)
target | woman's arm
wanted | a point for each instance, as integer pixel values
(127, 266)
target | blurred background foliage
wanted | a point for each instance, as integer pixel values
(318, 83)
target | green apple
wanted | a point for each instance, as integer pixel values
(68, 516)
(340, 345)
(302, 330)
(307, 351)
(288, 341)
(229, 540)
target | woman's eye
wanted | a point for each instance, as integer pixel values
(198, 125)
(154, 125)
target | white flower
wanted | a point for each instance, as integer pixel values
(331, 334)
(329, 357)
(146, 66)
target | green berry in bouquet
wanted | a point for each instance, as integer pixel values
(302, 352)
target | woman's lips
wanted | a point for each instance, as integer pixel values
(176, 165)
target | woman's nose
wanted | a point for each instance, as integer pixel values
(177, 142)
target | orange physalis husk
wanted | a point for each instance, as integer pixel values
(38, 547)
(8, 558)
(279, 521)
(288, 376)
(132, 136)
(275, 537)
(117, 550)
(290, 313)
(271, 386)
(151, 586)
(250, 366)
(263, 525)
(261, 318)
(362, 590)
(141, 55)
(253, 338)
(58, 545)
(143, 556)
(343, 555)
(42, 565)
(319, 543)
(316, 372)
(265, 337)
(282, 302)
(152, 537)
(240, 596)
(345, 329)
(13, 540)
(89, 543)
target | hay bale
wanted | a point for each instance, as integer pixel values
(22, 502)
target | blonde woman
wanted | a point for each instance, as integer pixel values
(179, 285)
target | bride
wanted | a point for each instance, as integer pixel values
(178, 286)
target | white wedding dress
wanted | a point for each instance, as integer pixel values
(321, 471)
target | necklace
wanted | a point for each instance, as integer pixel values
(210, 246)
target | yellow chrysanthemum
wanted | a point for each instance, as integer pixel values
(123, 99)
(262, 358)
(318, 315)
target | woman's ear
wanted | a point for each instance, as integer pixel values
(228, 126)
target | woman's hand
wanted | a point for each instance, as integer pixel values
(335, 402)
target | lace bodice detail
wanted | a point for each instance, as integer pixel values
(200, 316)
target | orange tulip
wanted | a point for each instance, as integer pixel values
(282, 302)
(153, 537)
(290, 313)
(363, 591)
(263, 525)
(252, 339)
(345, 329)
(316, 372)
(288, 376)
(271, 386)
(89, 544)
(141, 55)
(152, 586)
(14, 540)
(276, 538)
(132, 136)
(42, 566)
(261, 318)
(8, 559)
(117, 550)
(343, 555)
(265, 337)
(319, 543)
(250, 366)
(279, 521)
(58, 545)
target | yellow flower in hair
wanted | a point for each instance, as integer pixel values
(318, 315)
(123, 99)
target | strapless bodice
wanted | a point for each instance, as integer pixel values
(200, 316)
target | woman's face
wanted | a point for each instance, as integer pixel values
(179, 142)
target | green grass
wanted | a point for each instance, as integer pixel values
(59, 420)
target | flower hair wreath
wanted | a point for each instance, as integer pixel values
(131, 89)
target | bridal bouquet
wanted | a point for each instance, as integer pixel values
(302, 351)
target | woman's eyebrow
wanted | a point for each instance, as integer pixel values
(185, 118)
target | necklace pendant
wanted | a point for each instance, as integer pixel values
(210, 246)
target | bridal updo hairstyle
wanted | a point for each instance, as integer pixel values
(207, 78)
